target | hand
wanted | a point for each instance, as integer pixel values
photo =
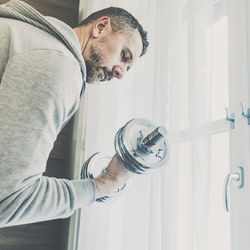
(116, 175)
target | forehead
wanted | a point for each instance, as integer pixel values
(132, 41)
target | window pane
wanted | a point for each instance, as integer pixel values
(219, 220)
(218, 59)
(185, 198)
(182, 80)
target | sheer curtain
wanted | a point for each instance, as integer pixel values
(170, 85)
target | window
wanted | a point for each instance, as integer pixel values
(191, 73)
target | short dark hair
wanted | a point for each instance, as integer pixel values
(120, 20)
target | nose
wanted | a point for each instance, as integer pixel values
(119, 71)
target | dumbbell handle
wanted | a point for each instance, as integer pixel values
(153, 137)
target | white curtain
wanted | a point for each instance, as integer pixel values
(170, 85)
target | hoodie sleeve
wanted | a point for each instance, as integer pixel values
(39, 92)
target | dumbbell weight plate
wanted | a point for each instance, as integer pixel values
(136, 159)
(95, 166)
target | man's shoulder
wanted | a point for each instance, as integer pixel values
(25, 37)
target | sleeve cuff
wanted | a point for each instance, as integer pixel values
(85, 192)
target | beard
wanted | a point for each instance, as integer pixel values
(92, 77)
(94, 66)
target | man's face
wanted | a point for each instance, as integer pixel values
(112, 55)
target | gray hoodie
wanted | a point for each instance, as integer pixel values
(42, 79)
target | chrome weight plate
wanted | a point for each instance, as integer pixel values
(142, 146)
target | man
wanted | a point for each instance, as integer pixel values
(44, 65)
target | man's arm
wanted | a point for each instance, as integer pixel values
(38, 92)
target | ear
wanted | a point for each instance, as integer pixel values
(100, 26)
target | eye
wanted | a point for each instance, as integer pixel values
(123, 56)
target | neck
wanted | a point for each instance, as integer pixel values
(83, 33)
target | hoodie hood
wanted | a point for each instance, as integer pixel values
(21, 11)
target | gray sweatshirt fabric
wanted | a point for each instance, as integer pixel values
(42, 80)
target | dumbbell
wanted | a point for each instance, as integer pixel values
(140, 145)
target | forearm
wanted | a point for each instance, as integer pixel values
(45, 198)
